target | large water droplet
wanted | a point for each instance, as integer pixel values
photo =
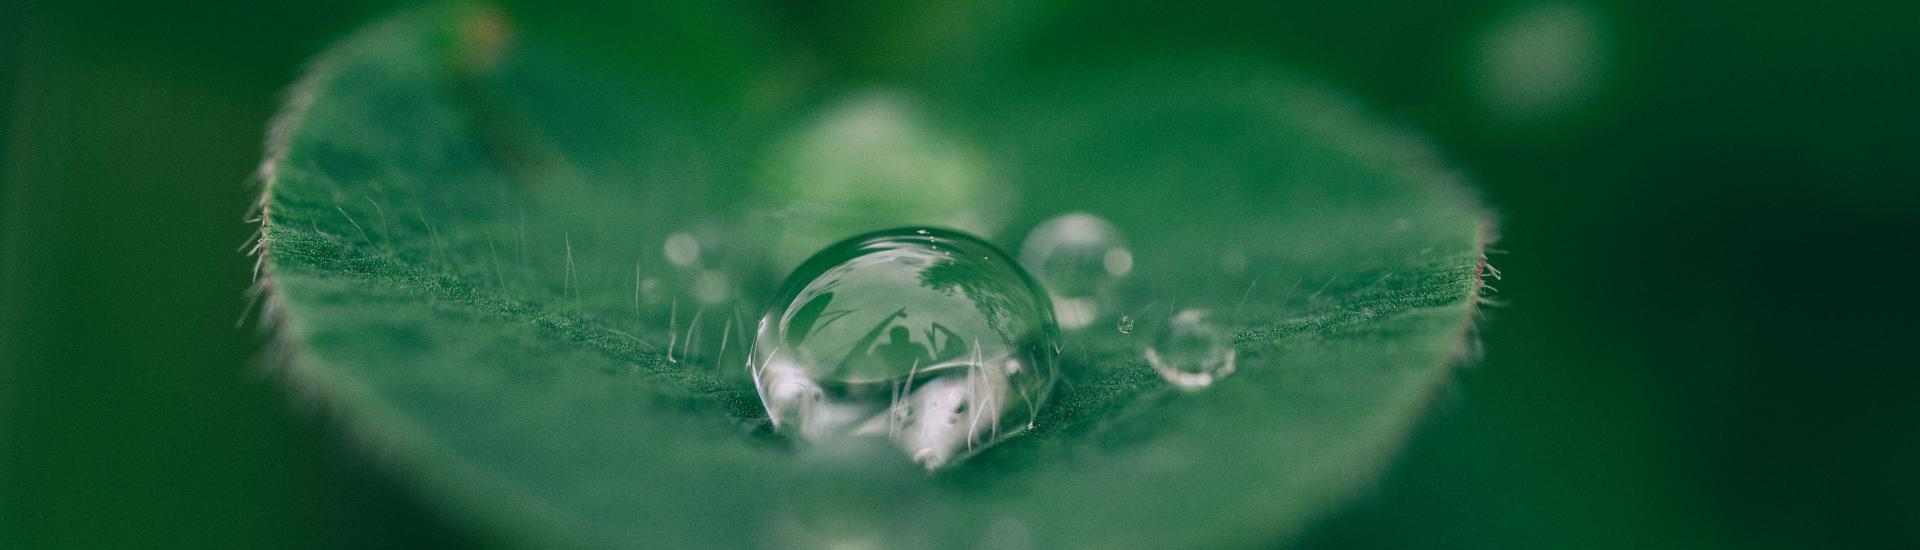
(1192, 351)
(930, 338)
(1081, 258)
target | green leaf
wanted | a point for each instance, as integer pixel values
(463, 228)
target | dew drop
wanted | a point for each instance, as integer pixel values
(893, 335)
(1126, 324)
(682, 249)
(712, 286)
(1081, 258)
(650, 290)
(1192, 351)
(1542, 62)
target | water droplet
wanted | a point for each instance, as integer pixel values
(682, 249)
(650, 290)
(1191, 351)
(891, 335)
(1541, 63)
(1081, 258)
(1126, 324)
(712, 286)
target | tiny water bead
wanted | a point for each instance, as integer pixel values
(682, 249)
(1126, 324)
(699, 271)
(1192, 351)
(929, 338)
(1080, 257)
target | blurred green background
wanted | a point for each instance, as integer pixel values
(1709, 208)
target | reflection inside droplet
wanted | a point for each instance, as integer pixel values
(1074, 312)
(930, 338)
(1192, 351)
(1081, 258)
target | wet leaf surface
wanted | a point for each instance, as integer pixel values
(466, 230)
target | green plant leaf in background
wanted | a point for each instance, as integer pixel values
(524, 276)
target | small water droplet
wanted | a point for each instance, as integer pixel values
(1192, 351)
(650, 290)
(682, 249)
(1126, 324)
(886, 335)
(712, 286)
(1081, 258)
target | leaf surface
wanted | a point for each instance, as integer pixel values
(466, 232)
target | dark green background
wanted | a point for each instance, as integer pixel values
(1706, 344)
